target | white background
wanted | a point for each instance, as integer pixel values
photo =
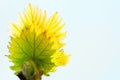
(93, 38)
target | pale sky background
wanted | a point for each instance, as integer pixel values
(93, 38)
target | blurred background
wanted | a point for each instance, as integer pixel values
(93, 38)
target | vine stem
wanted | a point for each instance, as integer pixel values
(38, 75)
(35, 77)
(30, 71)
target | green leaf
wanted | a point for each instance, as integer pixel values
(37, 41)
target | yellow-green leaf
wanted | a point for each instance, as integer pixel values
(37, 39)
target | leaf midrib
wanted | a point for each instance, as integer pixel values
(34, 45)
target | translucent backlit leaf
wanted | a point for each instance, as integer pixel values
(37, 41)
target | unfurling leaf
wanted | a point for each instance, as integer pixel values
(36, 43)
